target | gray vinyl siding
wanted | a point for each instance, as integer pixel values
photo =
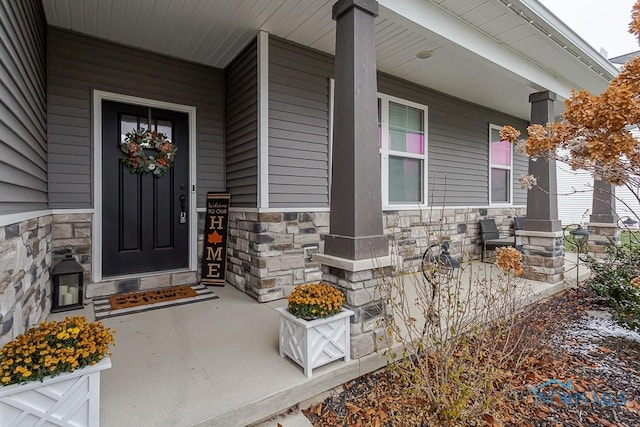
(242, 128)
(520, 167)
(298, 126)
(458, 146)
(23, 147)
(77, 65)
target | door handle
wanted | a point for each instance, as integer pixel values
(183, 212)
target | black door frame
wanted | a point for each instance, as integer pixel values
(96, 250)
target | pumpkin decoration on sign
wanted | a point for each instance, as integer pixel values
(148, 151)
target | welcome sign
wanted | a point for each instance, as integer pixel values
(214, 250)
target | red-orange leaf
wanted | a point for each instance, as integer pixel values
(214, 238)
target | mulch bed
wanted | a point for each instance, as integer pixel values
(580, 345)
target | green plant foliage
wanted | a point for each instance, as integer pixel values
(613, 279)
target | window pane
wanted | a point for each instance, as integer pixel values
(143, 123)
(495, 134)
(165, 126)
(501, 153)
(499, 185)
(414, 119)
(406, 129)
(127, 124)
(405, 180)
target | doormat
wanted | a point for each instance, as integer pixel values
(136, 302)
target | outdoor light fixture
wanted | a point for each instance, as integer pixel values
(577, 236)
(628, 222)
(579, 231)
(67, 279)
(424, 54)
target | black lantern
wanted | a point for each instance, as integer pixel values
(67, 291)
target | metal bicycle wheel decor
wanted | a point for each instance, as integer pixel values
(438, 265)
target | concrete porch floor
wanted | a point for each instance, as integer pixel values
(216, 363)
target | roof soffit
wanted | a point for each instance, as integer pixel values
(511, 57)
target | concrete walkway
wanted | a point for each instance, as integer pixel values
(214, 363)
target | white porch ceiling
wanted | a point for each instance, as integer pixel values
(489, 52)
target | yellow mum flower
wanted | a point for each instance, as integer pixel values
(315, 300)
(48, 348)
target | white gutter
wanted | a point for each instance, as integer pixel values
(559, 32)
(421, 15)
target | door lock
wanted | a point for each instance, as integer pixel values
(183, 213)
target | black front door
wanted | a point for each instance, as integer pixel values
(142, 230)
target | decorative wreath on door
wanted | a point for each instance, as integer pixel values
(148, 151)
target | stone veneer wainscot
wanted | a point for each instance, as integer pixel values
(25, 283)
(266, 250)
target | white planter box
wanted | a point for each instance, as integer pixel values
(70, 399)
(313, 343)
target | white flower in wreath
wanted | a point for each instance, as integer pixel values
(136, 147)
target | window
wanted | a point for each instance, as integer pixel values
(500, 167)
(403, 146)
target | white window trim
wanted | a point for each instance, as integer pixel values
(385, 152)
(492, 166)
(332, 88)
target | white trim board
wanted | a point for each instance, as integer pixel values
(263, 119)
(456, 207)
(14, 218)
(385, 209)
(277, 210)
(67, 211)
(96, 246)
(25, 216)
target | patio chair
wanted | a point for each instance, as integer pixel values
(491, 237)
(518, 224)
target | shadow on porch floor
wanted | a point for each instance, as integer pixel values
(213, 363)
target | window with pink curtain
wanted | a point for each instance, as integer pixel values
(501, 153)
(500, 168)
(406, 128)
